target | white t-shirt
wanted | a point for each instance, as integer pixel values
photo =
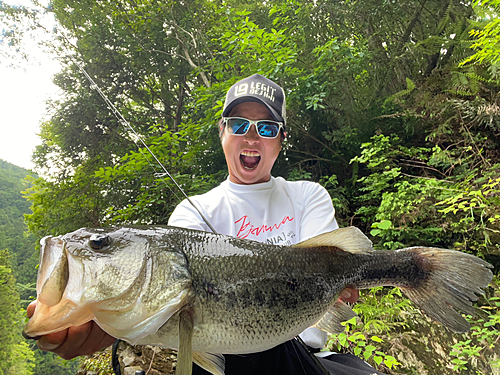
(278, 212)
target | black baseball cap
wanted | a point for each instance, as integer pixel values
(257, 88)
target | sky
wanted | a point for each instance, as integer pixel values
(24, 89)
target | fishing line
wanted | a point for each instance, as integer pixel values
(127, 125)
(123, 121)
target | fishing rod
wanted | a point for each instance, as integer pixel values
(127, 125)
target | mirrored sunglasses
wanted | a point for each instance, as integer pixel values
(240, 126)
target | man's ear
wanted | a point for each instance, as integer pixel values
(283, 136)
(221, 128)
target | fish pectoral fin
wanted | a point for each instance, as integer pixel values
(185, 354)
(338, 313)
(213, 363)
(349, 239)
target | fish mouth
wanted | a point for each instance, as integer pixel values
(53, 312)
(249, 159)
(51, 319)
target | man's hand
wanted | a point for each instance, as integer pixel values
(74, 341)
(350, 295)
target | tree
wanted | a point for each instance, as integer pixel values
(487, 36)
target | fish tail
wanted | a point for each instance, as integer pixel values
(447, 284)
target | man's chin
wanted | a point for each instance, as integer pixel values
(248, 177)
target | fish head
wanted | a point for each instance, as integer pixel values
(124, 279)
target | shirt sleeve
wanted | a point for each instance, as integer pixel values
(319, 214)
(186, 216)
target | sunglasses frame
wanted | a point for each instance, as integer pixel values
(254, 122)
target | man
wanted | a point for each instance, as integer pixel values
(254, 205)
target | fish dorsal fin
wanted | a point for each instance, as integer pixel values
(349, 239)
(338, 313)
(213, 363)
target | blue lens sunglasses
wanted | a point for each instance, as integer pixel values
(265, 128)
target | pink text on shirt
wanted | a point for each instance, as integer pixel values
(246, 228)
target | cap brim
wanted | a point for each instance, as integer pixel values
(249, 98)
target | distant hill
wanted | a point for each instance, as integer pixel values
(12, 227)
(24, 255)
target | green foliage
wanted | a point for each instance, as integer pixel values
(149, 202)
(338, 192)
(484, 332)
(47, 363)
(174, 64)
(8, 313)
(297, 175)
(414, 194)
(13, 18)
(397, 96)
(62, 206)
(15, 355)
(353, 340)
(487, 37)
(13, 234)
(379, 227)
(381, 312)
(22, 360)
(99, 363)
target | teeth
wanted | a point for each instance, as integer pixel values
(250, 153)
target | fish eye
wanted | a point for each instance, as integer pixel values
(99, 241)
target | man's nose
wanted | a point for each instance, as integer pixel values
(252, 135)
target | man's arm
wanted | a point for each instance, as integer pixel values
(74, 341)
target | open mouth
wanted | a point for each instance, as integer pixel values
(249, 159)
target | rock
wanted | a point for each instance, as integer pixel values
(153, 360)
(128, 357)
(131, 370)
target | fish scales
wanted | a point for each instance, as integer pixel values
(203, 293)
(252, 295)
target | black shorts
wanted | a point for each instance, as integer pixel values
(291, 358)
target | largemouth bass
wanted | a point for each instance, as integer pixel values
(206, 295)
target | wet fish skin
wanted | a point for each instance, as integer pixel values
(238, 296)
